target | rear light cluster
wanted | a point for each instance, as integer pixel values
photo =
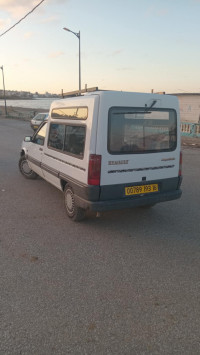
(94, 169)
(180, 165)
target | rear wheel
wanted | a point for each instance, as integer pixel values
(73, 211)
(25, 169)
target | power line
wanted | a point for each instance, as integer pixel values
(21, 19)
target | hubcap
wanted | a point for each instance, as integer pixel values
(25, 167)
(69, 200)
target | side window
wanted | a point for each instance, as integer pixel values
(56, 136)
(70, 113)
(67, 138)
(40, 135)
(75, 140)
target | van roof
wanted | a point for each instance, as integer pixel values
(115, 98)
(114, 94)
(96, 91)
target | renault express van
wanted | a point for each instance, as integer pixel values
(108, 150)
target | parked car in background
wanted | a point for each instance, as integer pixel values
(38, 119)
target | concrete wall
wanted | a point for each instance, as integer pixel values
(189, 107)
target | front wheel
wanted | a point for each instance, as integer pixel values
(25, 169)
(73, 211)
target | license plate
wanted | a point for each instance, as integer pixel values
(142, 189)
(35, 127)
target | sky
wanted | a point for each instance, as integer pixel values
(128, 45)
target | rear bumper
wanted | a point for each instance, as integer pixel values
(122, 203)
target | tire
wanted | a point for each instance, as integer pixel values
(25, 169)
(74, 212)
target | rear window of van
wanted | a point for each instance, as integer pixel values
(139, 130)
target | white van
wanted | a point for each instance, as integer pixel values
(108, 150)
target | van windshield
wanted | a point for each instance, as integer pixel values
(140, 130)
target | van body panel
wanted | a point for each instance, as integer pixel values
(117, 204)
(134, 167)
(86, 193)
(118, 191)
(34, 155)
(65, 163)
(113, 197)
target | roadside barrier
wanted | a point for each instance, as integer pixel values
(190, 129)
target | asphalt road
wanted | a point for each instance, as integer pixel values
(125, 283)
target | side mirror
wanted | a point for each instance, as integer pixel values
(28, 139)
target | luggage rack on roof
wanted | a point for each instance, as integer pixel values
(78, 92)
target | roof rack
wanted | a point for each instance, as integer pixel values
(78, 92)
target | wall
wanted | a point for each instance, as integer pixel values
(189, 107)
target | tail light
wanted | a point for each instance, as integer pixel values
(94, 169)
(180, 165)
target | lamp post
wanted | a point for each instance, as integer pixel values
(78, 35)
(4, 90)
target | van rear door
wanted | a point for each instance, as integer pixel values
(143, 151)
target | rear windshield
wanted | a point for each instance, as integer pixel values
(139, 130)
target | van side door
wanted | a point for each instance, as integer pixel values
(35, 150)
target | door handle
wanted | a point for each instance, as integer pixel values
(41, 149)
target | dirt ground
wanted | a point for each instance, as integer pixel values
(190, 142)
(28, 113)
(19, 112)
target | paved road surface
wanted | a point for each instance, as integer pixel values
(126, 283)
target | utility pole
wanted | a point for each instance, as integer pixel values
(78, 35)
(4, 90)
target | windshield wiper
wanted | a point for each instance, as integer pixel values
(148, 108)
(131, 112)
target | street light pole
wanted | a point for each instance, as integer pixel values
(78, 35)
(4, 90)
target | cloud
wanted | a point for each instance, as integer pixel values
(58, 1)
(4, 23)
(18, 8)
(28, 35)
(118, 51)
(56, 54)
(156, 11)
(50, 19)
(162, 12)
(126, 69)
(26, 60)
